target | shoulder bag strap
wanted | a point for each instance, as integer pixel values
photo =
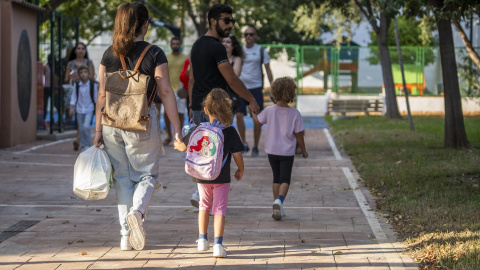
(137, 65)
(122, 59)
(92, 90)
(261, 61)
(139, 61)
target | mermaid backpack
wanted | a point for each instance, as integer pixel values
(204, 159)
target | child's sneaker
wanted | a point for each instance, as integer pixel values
(277, 210)
(125, 243)
(203, 245)
(219, 251)
(254, 152)
(137, 233)
(245, 145)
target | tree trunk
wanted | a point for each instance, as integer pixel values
(199, 15)
(455, 135)
(468, 44)
(386, 62)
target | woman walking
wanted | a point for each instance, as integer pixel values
(78, 57)
(135, 154)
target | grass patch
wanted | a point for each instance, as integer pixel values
(430, 194)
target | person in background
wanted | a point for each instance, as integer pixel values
(234, 53)
(235, 57)
(78, 57)
(252, 77)
(184, 78)
(83, 100)
(176, 60)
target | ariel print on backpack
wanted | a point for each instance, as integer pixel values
(203, 145)
(205, 151)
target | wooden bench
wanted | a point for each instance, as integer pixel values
(345, 106)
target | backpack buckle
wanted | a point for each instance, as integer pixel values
(144, 118)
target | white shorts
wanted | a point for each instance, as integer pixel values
(181, 104)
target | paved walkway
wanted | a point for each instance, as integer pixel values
(329, 224)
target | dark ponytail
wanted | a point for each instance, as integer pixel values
(129, 21)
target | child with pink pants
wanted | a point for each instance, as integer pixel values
(214, 193)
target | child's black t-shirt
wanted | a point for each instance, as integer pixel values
(232, 144)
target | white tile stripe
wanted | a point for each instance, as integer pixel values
(177, 206)
(393, 258)
(161, 169)
(41, 146)
(336, 153)
(36, 164)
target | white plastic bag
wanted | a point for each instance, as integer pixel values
(92, 175)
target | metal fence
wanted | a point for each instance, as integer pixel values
(56, 36)
(349, 70)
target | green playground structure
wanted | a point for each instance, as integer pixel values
(414, 79)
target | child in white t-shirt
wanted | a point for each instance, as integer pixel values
(284, 127)
(82, 102)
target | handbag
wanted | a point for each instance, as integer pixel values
(126, 104)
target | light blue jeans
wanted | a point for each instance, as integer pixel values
(84, 122)
(135, 159)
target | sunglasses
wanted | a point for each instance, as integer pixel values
(249, 34)
(227, 20)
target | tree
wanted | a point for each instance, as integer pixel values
(455, 135)
(413, 32)
(444, 12)
(379, 14)
(315, 20)
(380, 17)
(97, 17)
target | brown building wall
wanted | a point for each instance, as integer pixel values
(18, 104)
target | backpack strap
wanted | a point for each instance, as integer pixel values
(77, 86)
(92, 89)
(137, 65)
(217, 123)
(261, 61)
(139, 61)
(135, 69)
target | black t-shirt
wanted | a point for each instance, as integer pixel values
(231, 144)
(207, 53)
(152, 59)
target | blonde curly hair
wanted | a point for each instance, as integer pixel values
(219, 104)
(284, 89)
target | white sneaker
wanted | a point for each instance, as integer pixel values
(203, 245)
(282, 211)
(125, 243)
(195, 199)
(137, 233)
(219, 251)
(277, 210)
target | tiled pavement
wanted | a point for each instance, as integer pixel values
(329, 222)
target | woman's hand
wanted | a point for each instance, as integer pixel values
(98, 139)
